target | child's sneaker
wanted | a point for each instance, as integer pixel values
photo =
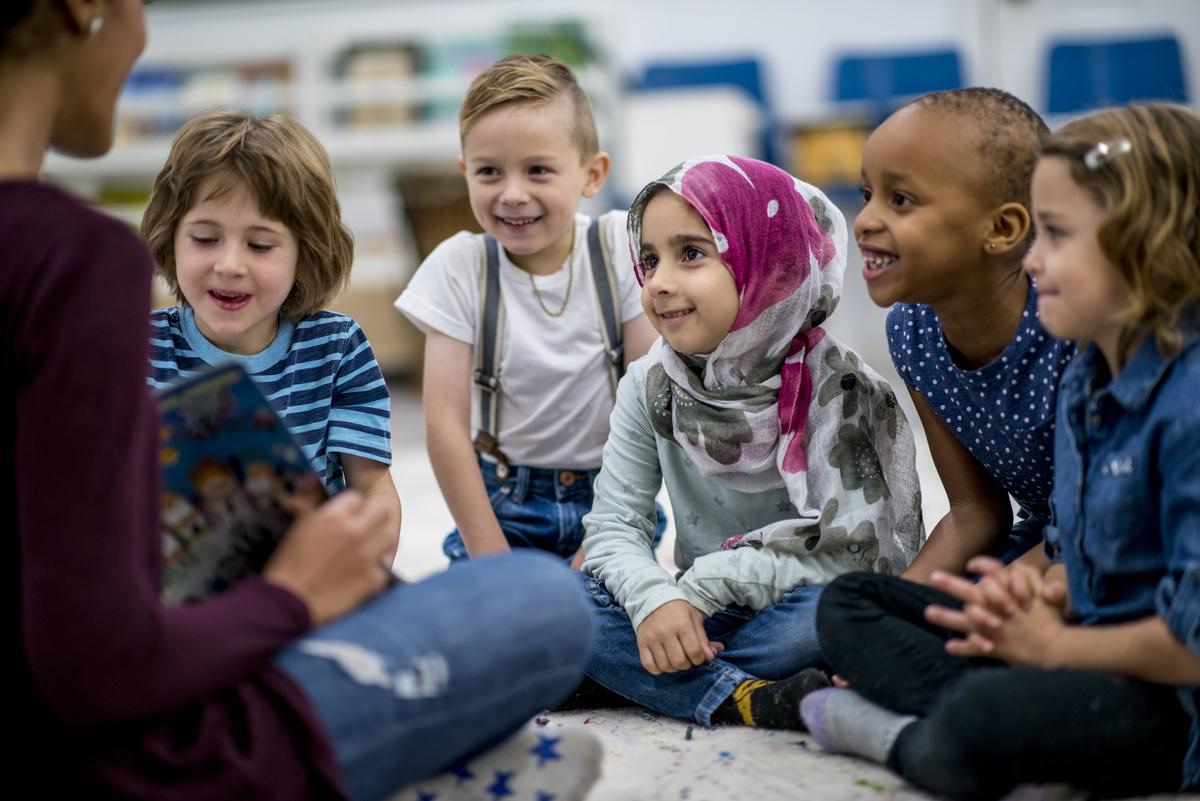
(535, 764)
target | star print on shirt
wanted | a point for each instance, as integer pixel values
(692, 518)
(783, 506)
(544, 750)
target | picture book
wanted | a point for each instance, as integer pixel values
(229, 465)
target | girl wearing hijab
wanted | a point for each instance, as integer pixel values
(786, 458)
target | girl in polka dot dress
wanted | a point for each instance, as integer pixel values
(942, 232)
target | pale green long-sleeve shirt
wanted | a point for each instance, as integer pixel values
(620, 527)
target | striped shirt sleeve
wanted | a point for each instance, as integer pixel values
(360, 417)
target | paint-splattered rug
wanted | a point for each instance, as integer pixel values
(653, 758)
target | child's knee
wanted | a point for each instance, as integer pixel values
(545, 589)
(842, 599)
(948, 754)
(961, 748)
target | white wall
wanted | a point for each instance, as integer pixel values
(1003, 42)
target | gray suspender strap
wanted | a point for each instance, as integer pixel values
(608, 304)
(487, 356)
(491, 324)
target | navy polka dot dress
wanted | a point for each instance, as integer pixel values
(1003, 412)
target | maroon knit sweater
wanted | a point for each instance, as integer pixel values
(117, 695)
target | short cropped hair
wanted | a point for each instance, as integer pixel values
(288, 173)
(1010, 135)
(1150, 192)
(534, 79)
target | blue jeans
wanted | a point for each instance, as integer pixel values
(539, 507)
(772, 644)
(430, 673)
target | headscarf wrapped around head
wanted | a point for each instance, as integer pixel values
(779, 402)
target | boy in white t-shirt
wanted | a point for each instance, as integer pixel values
(529, 325)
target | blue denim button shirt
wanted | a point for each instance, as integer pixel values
(1126, 499)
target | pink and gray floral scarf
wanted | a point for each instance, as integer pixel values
(780, 402)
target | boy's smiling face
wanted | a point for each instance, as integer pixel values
(926, 213)
(235, 267)
(525, 177)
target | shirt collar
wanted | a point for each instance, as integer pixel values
(1134, 385)
(254, 363)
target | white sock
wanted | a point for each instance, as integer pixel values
(535, 764)
(844, 722)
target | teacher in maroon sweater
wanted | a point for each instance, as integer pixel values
(118, 695)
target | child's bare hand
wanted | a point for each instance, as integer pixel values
(331, 557)
(1009, 614)
(672, 638)
(1026, 637)
(1016, 583)
(577, 560)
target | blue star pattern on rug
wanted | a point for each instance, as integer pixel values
(544, 796)
(427, 797)
(499, 788)
(463, 773)
(544, 750)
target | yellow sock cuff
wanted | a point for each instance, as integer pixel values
(741, 696)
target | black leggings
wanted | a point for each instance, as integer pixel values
(985, 727)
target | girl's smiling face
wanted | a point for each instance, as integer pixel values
(689, 295)
(924, 217)
(235, 267)
(1081, 294)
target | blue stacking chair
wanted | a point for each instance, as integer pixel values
(1083, 75)
(883, 81)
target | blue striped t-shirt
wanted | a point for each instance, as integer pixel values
(319, 374)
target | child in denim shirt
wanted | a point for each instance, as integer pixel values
(1087, 674)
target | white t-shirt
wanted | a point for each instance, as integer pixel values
(555, 396)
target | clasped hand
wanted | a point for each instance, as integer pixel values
(672, 638)
(1012, 613)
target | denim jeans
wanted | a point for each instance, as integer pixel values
(539, 507)
(984, 726)
(431, 673)
(772, 644)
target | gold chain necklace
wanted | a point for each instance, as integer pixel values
(567, 297)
